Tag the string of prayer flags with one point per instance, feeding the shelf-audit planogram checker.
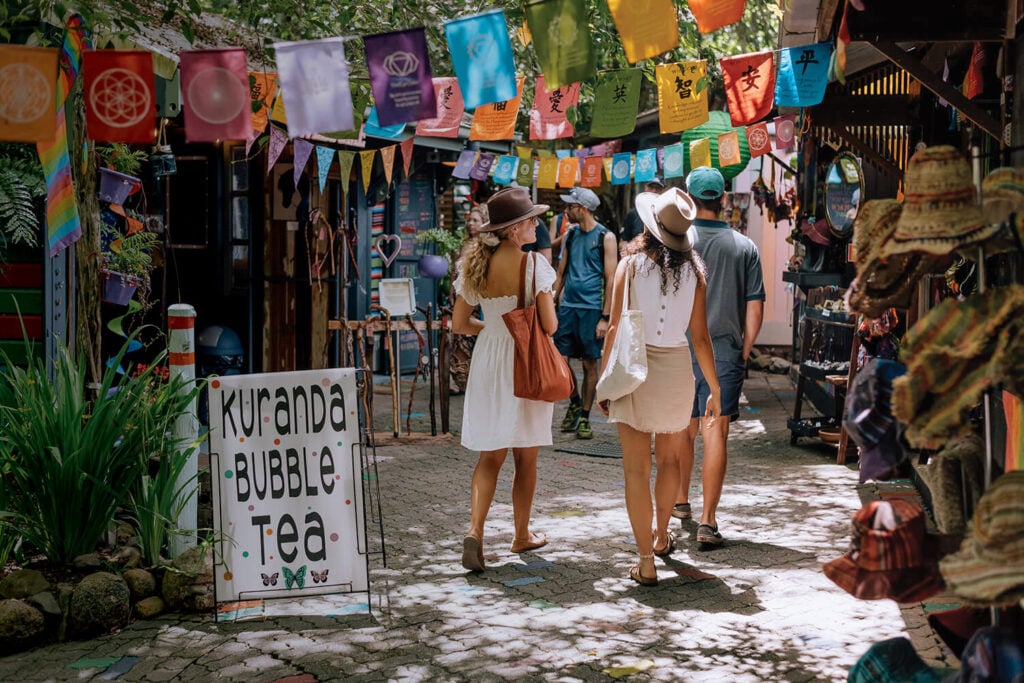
(400, 76)
(548, 116)
(646, 165)
(758, 140)
(505, 169)
(497, 120)
(568, 170)
(616, 100)
(712, 15)
(729, 149)
(482, 58)
(449, 110)
(547, 173)
(803, 75)
(301, 151)
(120, 99)
(622, 166)
(407, 149)
(749, 86)
(647, 28)
(387, 157)
(324, 157)
(215, 94)
(315, 86)
(562, 40)
(29, 87)
(785, 134)
(373, 127)
(525, 171)
(275, 146)
(700, 153)
(482, 166)
(682, 95)
(591, 176)
(366, 165)
(345, 161)
(464, 164)
(672, 161)
(262, 88)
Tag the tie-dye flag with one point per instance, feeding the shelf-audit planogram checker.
(482, 58)
(561, 40)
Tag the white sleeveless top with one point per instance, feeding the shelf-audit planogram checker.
(666, 316)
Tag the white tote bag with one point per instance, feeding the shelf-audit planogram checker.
(627, 365)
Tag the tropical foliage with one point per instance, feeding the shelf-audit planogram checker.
(21, 188)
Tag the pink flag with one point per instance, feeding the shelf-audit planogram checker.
(387, 155)
(407, 146)
(784, 132)
(449, 110)
(547, 117)
(215, 95)
(278, 140)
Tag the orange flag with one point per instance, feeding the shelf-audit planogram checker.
(497, 121)
(729, 149)
(548, 173)
(592, 172)
(647, 27)
(974, 83)
(387, 155)
(262, 88)
(682, 95)
(712, 15)
(758, 140)
(28, 104)
(366, 161)
(568, 169)
(407, 146)
(749, 86)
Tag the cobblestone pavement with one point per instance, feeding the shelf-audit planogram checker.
(758, 609)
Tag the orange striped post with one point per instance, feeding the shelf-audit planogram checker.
(181, 352)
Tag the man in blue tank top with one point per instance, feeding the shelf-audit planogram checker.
(583, 292)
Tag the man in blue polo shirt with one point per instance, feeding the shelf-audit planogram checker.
(735, 305)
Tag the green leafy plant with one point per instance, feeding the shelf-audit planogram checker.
(21, 187)
(446, 242)
(122, 158)
(130, 254)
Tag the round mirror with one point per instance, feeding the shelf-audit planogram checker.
(844, 184)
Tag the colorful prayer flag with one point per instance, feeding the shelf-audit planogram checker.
(407, 150)
(28, 84)
(784, 132)
(301, 151)
(366, 166)
(712, 15)
(803, 75)
(622, 166)
(449, 110)
(749, 86)
(607, 163)
(974, 82)
(465, 164)
(729, 149)
(275, 146)
(562, 40)
(277, 112)
(400, 76)
(324, 157)
(568, 170)
(120, 99)
(262, 88)
(647, 27)
(525, 171)
(682, 95)
(843, 39)
(646, 165)
(387, 157)
(758, 139)
(505, 170)
(592, 167)
(547, 117)
(700, 153)
(547, 174)
(482, 166)
(497, 121)
(616, 100)
(345, 161)
(215, 95)
(672, 163)
(315, 86)
(373, 127)
(482, 58)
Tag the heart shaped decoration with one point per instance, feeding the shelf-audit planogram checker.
(396, 245)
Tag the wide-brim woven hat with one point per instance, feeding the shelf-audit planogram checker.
(889, 555)
(940, 209)
(509, 206)
(668, 216)
(989, 566)
(874, 225)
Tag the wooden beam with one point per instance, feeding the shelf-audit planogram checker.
(865, 110)
(869, 151)
(933, 82)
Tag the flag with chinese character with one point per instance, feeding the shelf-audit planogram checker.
(262, 88)
(315, 86)
(28, 93)
(525, 171)
(465, 164)
(758, 139)
(215, 95)
(400, 76)
(700, 153)
(803, 75)
(592, 167)
(547, 117)
(120, 100)
(497, 121)
(562, 40)
(568, 169)
(449, 111)
(622, 167)
(646, 165)
(366, 166)
(482, 166)
(785, 133)
(974, 82)
(712, 15)
(729, 149)
(682, 95)
(616, 100)
(672, 162)
(505, 169)
(647, 27)
(482, 58)
(749, 86)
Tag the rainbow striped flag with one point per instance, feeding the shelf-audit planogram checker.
(63, 226)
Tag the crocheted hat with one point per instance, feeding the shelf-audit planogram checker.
(940, 212)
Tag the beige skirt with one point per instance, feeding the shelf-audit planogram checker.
(663, 403)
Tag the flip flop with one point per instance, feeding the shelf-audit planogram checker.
(522, 545)
(472, 554)
(669, 547)
(634, 573)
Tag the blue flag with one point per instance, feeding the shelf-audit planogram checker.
(505, 170)
(482, 58)
(646, 165)
(621, 168)
(803, 75)
(373, 127)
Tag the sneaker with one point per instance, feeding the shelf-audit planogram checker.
(708, 536)
(583, 430)
(572, 417)
(681, 511)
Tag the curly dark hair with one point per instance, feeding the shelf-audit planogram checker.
(668, 260)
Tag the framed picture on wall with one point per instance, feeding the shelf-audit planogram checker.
(286, 198)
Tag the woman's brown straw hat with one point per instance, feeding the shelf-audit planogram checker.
(509, 206)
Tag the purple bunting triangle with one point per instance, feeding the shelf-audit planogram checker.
(278, 140)
(302, 149)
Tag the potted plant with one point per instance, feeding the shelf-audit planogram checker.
(446, 244)
(120, 175)
(127, 264)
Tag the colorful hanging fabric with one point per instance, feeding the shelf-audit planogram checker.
(449, 110)
(215, 95)
(646, 165)
(547, 173)
(366, 166)
(616, 100)
(607, 163)
(562, 40)
(591, 176)
(525, 171)
(622, 167)
(345, 161)
(505, 169)
(301, 151)
(275, 146)
(387, 157)
(700, 153)
(407, 150)
(758, 140)
(324, 158)
(482, 166)
(262, 89)
(672, 162)
(372, 126)
(682, 95)
(277, 112)
(29, 87)
(729, 149)
(749, 86)
(712, 15)
(568, 171)
(63, 226)
(803, 75)
(647, 28)
(400, 76)
(315, 86)
(785, 133)
(464, 164)
(482, 58)
(548, 116)
(974, 80)
(497, 121)
(843, 39)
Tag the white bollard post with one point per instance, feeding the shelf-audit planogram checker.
(181, 327)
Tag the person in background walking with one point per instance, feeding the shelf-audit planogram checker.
(557, 230)
(493, 419)
(633, 226)
(735, 313)
(583, 291)
(667, 283)
(462, 344)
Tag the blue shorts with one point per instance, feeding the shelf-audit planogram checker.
(577, 333)
(730, 381)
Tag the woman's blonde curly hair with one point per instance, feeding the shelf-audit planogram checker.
(476, 259)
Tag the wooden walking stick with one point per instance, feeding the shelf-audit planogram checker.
(429, 313)
(443, 370)
(390, 346)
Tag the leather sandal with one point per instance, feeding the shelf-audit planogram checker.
(634, 573)
(473, 554)
(669, 547)
(534, 541)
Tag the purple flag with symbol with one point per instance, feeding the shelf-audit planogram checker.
(482, 168)
(400, 76)
(467, 159)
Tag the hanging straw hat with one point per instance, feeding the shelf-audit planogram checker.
(1002, 203)
(509, 206)
(668, 216)
(941, 212)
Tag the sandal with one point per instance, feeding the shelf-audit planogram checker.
(472, 554)
(709, 535)
(669, 547)
(522, 545)
(682, 511)
(634, 573)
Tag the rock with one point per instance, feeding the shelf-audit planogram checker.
(46, 602)
(124, 534)
(101, 603)
(23, 583)
(21, 626)
(188, 583)
(128, 557)
(141, 583)
(759, 362)
(147, 608)
(196, 562)
(779, 366)
(87, 561)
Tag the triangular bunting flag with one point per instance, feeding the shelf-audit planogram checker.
(682, 95)
(387, 156)
(324, 157)
(277, 112)
(647, 28)
(345, 161)
(749, 86)
(301, 149)
(366, 165)
(407, 150)
(275, 146)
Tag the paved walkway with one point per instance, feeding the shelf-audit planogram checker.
(758, 609)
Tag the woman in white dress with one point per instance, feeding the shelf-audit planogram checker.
(493, 419)
(668, 283)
